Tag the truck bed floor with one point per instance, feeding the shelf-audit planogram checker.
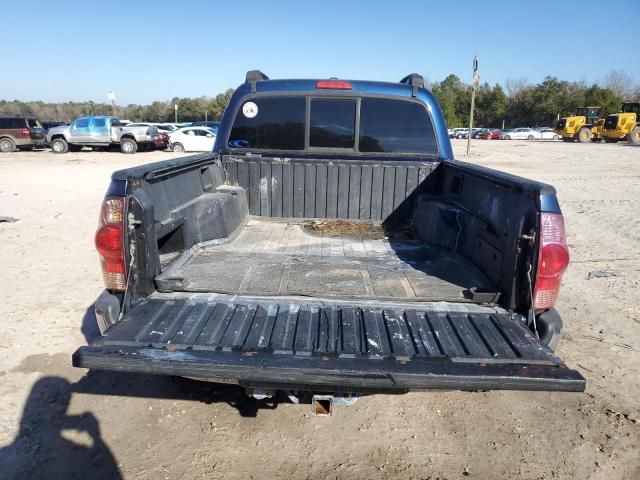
(280, 257)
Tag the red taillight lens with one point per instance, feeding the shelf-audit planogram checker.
(25, 132)
(333, 85)
(553, 260)
(109, 243)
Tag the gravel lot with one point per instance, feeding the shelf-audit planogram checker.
(61, 422)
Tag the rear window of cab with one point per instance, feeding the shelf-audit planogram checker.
(361, 125)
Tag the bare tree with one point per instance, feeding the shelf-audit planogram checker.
(620, 83)
(515, 86)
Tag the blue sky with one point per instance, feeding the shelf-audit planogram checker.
(155, 50)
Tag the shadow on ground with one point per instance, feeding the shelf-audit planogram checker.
(170, 388)
(53, 444)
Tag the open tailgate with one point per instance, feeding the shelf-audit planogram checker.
(324, 346)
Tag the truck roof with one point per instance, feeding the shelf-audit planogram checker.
(412, 85)
(309, 85)
(256, 81)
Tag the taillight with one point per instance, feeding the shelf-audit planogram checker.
(333, 85)
(25, 132)
(553, 260)
(109, 243)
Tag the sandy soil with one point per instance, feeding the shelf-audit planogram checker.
(61, 422)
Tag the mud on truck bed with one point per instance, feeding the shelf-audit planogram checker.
(327, 270)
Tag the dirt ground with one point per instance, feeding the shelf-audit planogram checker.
(61, 422)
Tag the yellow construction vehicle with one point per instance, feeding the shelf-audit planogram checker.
(625, 124)
(585, 126)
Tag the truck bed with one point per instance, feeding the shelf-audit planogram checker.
(325, 275)
(325, 258)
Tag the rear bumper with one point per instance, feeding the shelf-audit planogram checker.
(330, 374)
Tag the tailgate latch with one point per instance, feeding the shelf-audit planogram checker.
(132, 222)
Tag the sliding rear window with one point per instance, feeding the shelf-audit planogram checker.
(283, 123)
(332, 123)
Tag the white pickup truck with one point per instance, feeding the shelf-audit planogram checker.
(101, 131)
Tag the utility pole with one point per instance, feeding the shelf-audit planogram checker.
(205, 115)
(474, 88)
(175, 112)
(112, 96)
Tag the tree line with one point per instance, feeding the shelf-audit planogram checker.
(522, 104)
(518, 103)
(189, 109)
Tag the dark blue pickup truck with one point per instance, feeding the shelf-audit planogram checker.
(331, 245)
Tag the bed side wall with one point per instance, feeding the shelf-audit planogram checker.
(483, 215)
(177, 210)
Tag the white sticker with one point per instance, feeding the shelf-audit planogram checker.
(250, 109)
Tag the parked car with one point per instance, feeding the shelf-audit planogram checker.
(504, 133)
(216, 265)
(465, 133)
(548, 134)
(520, 134)
(192, 139)
(482, 133)
(490, 134)
(101, 131)
(20, 132)
(476, 132)
(162, 141)
(160, 126)
(460, 133)
(166, 127)
(212, 125)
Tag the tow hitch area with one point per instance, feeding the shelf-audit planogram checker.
(321, 404)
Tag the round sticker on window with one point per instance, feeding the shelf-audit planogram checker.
(250, 109)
